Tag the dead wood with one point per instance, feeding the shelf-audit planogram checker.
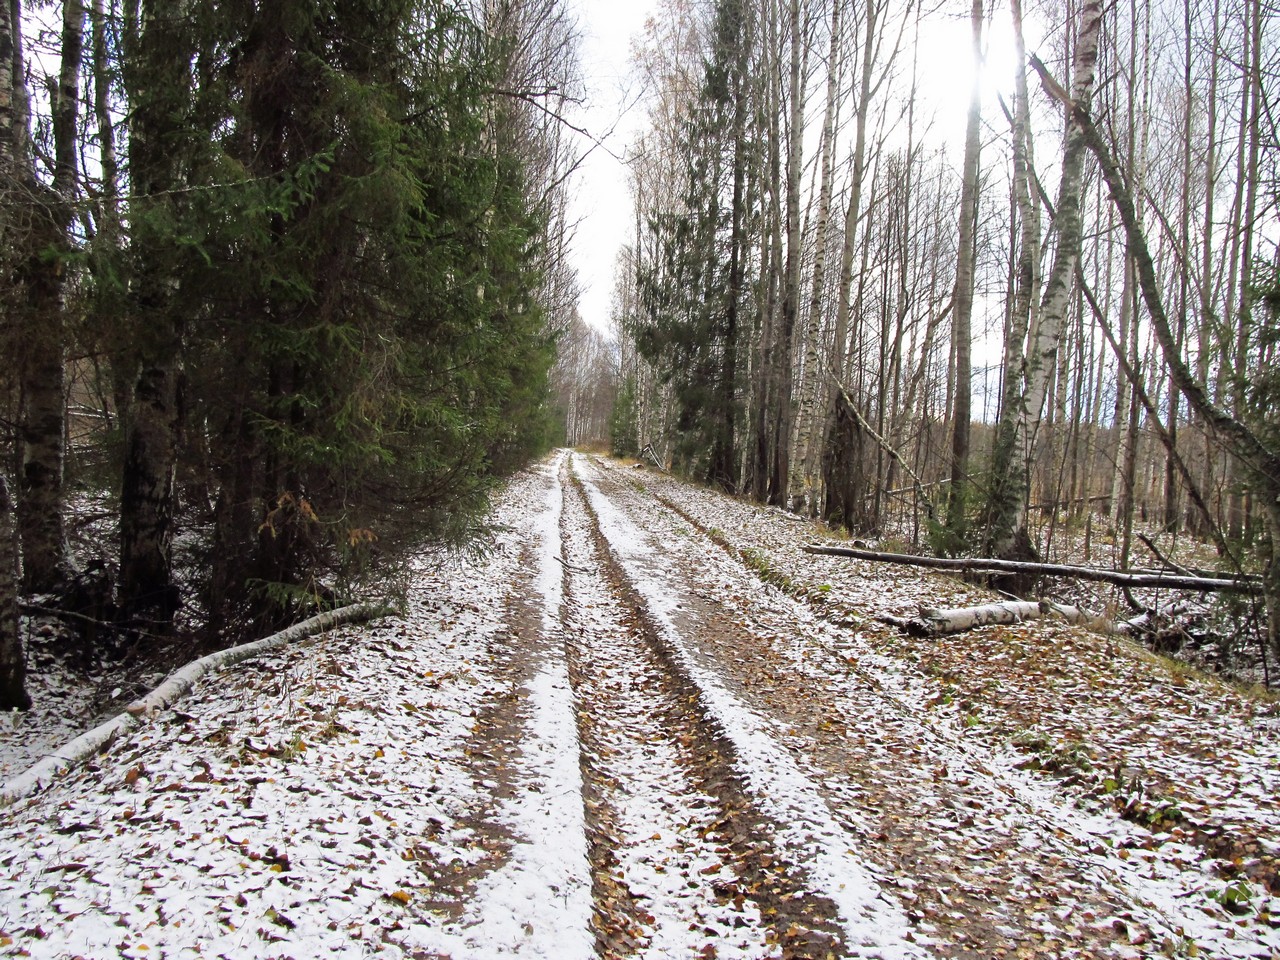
(936, 623)
(1130, 578)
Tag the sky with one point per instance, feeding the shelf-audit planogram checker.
(602, 201)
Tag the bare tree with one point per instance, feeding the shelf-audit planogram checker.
(1007, 525)
(781, 354)
(802, 472)
(962, 337)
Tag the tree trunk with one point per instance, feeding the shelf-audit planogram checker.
(839, 459)
(1056, 298)
(1126, 416)
(157, 65)
(782, 414)
(1251, 104)
(1207, 318)
(12, 662)
(13, 670)
(762, 456)
(724, 468)
(962, 419)
(1162, 579)
(802, 473)
(1009, 468)
(41, 319)
(941, 622)
(1262, 461)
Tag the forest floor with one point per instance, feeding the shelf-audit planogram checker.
(647, 724)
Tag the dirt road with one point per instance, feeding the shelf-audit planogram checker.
(644, 726)
(843, 825)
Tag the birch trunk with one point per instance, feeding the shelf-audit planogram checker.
(961, 417)
(801, 473)
(1008, 499)
(1253, 450)
(1056, 299)
(839, 457)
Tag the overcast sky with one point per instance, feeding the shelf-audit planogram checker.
(602, 199)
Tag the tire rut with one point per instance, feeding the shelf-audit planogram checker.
(493, 748)
(676, 839)
(980, 882)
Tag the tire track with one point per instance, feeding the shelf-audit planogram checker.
(982, 880)
(524, 888)
(813, 846)
(1161, 896)
(677, 844)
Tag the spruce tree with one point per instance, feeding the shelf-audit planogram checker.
(694, 292)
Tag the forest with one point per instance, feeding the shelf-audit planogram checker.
(280, 285)
(287, 288)
(1044, 337)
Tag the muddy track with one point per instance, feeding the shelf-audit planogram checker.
(494, 750)
(1229, 838)
(980, 881)
(673, 830)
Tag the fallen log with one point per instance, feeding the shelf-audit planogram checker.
(90, 743)
(1145, 578)
(937, 623)
(652, 454)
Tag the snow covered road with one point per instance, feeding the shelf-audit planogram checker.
(612, 736)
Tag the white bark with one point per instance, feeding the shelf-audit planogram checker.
(1043, 355)
(92, 742)
(936, 623)
(803, 462)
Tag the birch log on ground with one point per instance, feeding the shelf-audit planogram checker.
(1137, 578)
(77, 751)
(936, 623)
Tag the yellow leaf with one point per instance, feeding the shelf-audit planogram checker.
(400, 896)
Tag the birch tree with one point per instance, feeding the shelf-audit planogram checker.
(1007, 527)
(1007, 493)
(961, 323)
(802, 472)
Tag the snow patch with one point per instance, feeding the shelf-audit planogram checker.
(874, 923)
